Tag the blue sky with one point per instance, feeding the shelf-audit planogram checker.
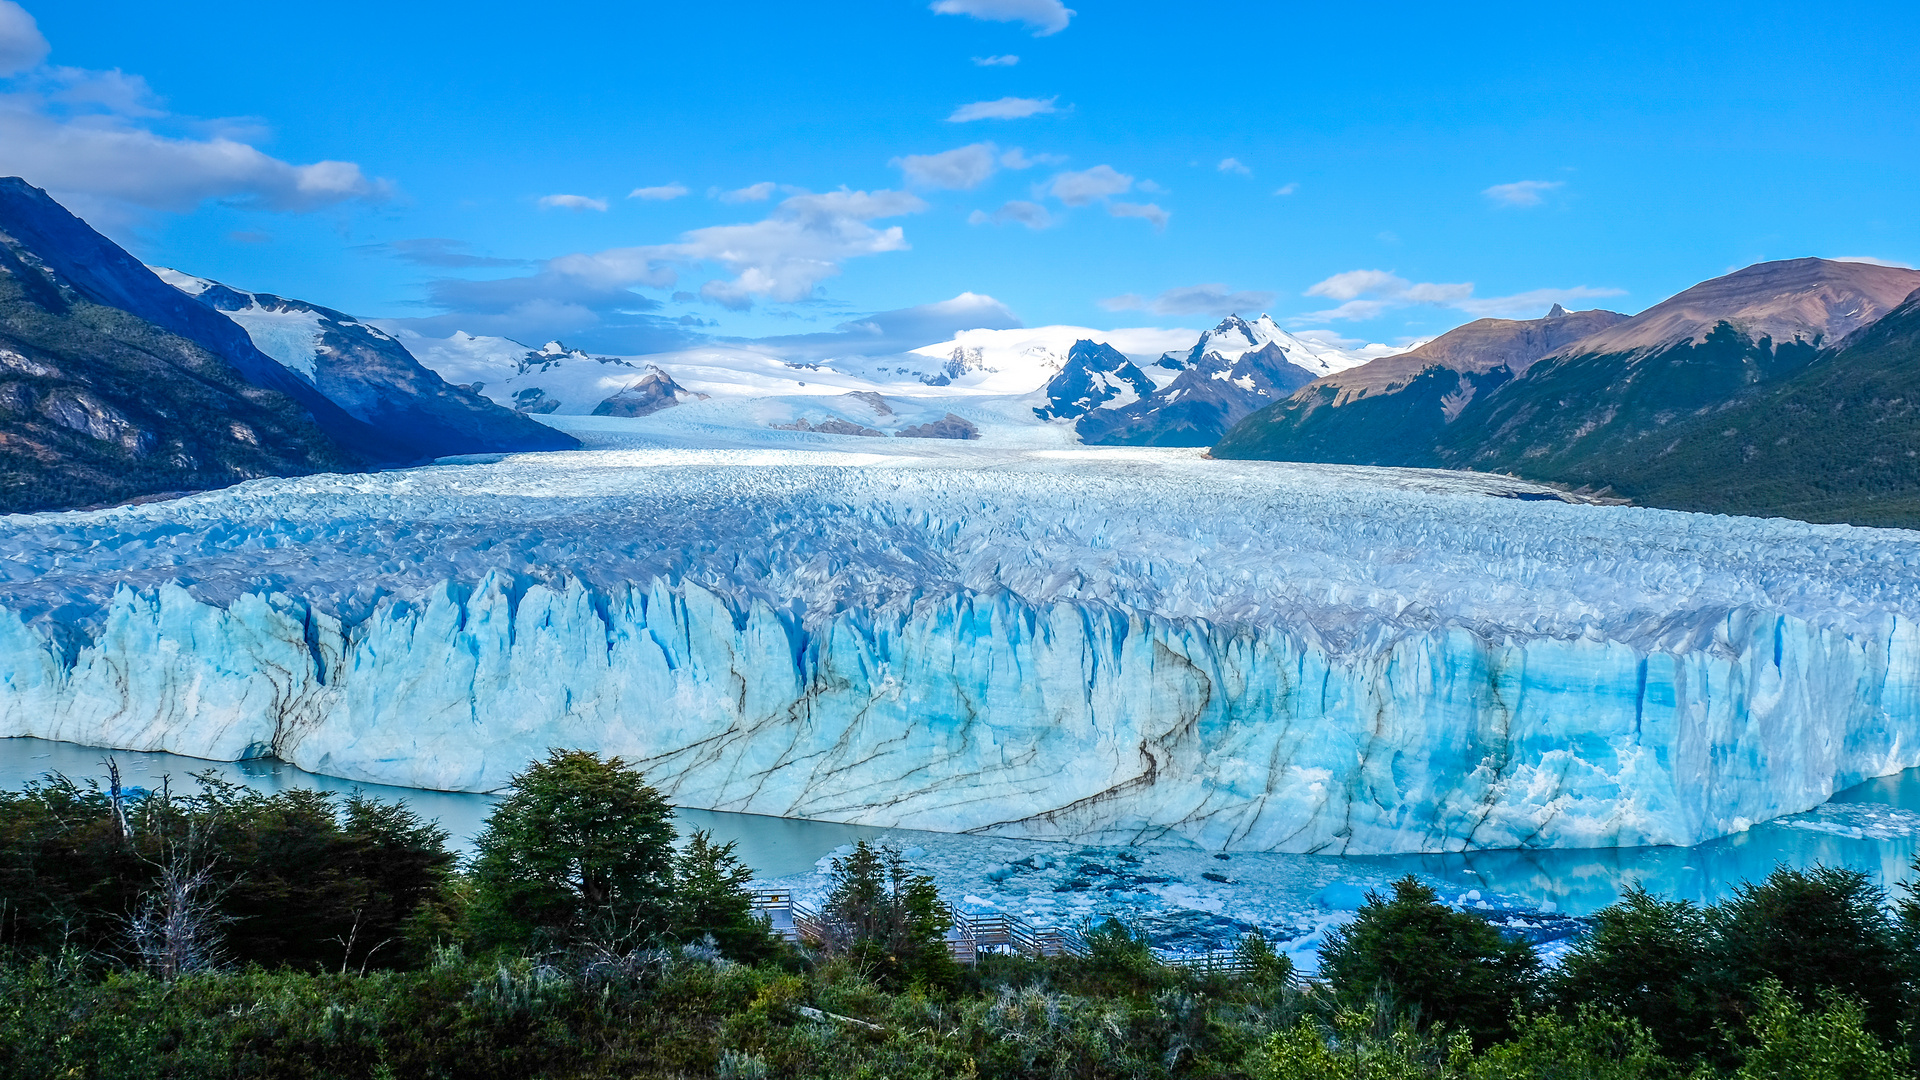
(1374, 172)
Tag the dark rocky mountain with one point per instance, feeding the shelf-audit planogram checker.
(88, 266)
(99, 405)
(1578, 415)
(648, 394)
(372, 377)
(1393, 411)
(1771, 358)
(1838, 440)
(1234, 369)
(1094, 375)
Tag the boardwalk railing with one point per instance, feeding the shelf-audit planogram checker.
(972, 936)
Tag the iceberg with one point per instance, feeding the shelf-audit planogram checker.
(1105, 646)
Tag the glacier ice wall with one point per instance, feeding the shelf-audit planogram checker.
(1112, 647)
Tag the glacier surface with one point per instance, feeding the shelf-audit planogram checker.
(1112, 646)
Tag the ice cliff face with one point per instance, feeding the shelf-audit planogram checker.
(1097, 645)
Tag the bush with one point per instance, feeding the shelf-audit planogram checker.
(1446, 966)
(1832, 1043)
(297, 878)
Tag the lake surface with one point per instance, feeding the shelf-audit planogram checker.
(1185, 896)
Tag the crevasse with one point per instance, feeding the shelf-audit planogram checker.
(1070, 721)
(922, 646)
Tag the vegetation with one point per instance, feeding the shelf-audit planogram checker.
(232, 934)
(1823, 432)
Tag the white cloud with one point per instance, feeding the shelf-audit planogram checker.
(759, 192)
(1522, 192)
(1083, 187)
(1209, 299)
(1286, 189)
(1145, 211)
(1152, 188)
(572, 202)
(1045, 16)
(996, 61)
(1017, 158)
(1368, 294)
(1006, 108)
(86, 137)
(1030, 214)
(658, 194)
(961, 169)
(22, 47)
(1233, 165)
(1353, 283)
(783, 257)
(1532, 304)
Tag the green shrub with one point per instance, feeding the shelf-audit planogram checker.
(1444, 966)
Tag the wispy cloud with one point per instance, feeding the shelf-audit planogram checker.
(782, 258)
(572, 202)
(438, 251)
(960, 169)
(658, 194)
(1030, 214)
(759, 192)
(1085, 186)
(1286, 189)
(1209, 299)
(1045, 16)
(1006, 108)
(996, 61)
(1145, 211)
(1522, 192)
(1017, 158)
(1233, 165)
(1367, 294)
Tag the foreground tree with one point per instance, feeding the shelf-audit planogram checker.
(1818, 933)
(580, 849)
(710, 897)
(1444, 965)
(1646, 959)
(887, 918)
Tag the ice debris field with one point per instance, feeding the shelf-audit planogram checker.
(1189, 900)
(1107, 647)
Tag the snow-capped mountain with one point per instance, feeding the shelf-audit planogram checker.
(549, 379)
(1235, 369)
(1023, 360)
(1001, 380)
(1095, 376)
(1235, 337)
(366, 372)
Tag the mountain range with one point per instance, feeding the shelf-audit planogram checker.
(1785, 388)
(115, 384)
(1709, 400)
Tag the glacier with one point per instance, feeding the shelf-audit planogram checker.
(1107, 646)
